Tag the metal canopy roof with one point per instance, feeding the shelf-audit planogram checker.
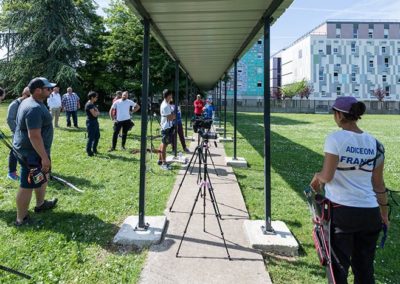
(205, 36)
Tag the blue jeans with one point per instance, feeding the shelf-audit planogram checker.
(93, 135)
(74, 118)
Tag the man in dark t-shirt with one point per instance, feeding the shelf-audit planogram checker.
(32, 142)
(92, 124)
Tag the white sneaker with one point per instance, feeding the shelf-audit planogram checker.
(165, 167)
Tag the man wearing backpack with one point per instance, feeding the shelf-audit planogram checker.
(12, 123)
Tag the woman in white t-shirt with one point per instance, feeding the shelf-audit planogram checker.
(353, 177)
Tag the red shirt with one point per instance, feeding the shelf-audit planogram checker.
(198, 107)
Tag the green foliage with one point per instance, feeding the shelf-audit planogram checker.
(48, 38)
(301, 88)
(123, 53)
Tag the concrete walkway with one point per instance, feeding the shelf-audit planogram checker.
(203, 257)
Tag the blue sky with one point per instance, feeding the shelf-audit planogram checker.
(303, 15)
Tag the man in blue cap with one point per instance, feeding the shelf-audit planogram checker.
(32, 141)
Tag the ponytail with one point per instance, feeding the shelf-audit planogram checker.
(356, 111)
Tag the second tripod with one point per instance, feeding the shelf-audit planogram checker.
(200, 154)
(205, 185)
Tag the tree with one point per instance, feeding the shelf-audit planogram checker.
(123, 54)
(50, 35)
(380, 94)
(277, 94)
(306, 90)
(302, 88)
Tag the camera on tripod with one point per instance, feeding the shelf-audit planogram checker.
(202, 126)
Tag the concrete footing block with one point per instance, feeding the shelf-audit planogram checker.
(227, 139)
(237, 163)
(282, 242)
(181, 160)
(129, 235)
(189, 138)
(219, 129)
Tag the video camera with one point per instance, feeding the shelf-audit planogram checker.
(202, 126)
(201, 123)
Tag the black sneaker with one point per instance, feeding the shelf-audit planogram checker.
(26, 221)
(47, 205)
(159, 162)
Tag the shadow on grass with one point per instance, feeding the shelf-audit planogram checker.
(295, 163)
(279, 120)
(82, 228)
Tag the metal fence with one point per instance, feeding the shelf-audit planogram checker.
(317, 106)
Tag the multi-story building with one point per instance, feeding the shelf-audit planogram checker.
(250, 85)
(352, 58)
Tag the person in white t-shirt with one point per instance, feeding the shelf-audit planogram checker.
(120, 113)
(167, 118)
(352, 173)
(54, 103)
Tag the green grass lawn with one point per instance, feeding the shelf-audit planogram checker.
(72, 244)
(296, 153)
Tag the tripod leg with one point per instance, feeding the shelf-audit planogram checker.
(195, 160)
(219, 223)
(212, 161)
(213, 195)
(10, 270)
(183, 179)
(187, 224)
(204, 205)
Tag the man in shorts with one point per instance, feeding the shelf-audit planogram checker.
(32, 143)
(167, 117)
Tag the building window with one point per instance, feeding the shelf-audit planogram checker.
(386, 31)
(387, 90)
(335, 50)
(383, 49)
(371, 63)
(240, 70)
(370, 33)
(338, 26)
(353, 47)
(384, 78)
(335, 76)
(338, 90)
(337, 65)
(259, 41)
(320, 51)
(259, 84)
(355, 31)
(321, 74)
(300, 53)
(353, 77)
(398, 50)
(259, 55)
(387, 62)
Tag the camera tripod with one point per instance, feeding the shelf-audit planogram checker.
(204, 186)
(195, 160)
(201, 156)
